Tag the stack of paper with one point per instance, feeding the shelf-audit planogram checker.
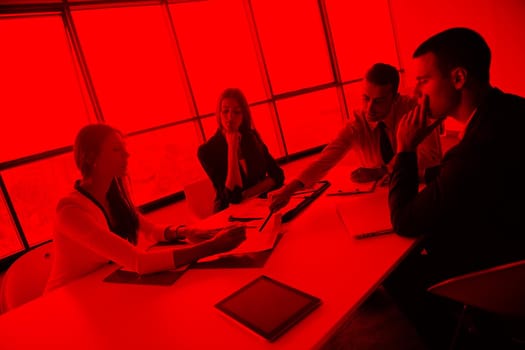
(370, 217)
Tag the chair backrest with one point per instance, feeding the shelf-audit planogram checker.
(26, 278)
(200, 196)
(500, 290)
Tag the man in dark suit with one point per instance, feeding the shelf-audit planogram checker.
(468, 216)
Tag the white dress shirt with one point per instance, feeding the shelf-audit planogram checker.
(84, 242)
(362, 137)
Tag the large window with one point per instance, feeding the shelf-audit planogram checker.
(9, 240)
(219, 51)
(293, 42)
(133, 61)
(310, 120)
(155, 70)
(163, 161)
(354, 96)
(43, 100)
(363, 35)
(35, 189)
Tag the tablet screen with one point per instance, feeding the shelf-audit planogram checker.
(268, 307)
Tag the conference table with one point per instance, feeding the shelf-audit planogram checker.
(316, 255)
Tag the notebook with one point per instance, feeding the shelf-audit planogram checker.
(306, 196)
(256, 241)
(370, 218)
(268, 307)
(163, 278)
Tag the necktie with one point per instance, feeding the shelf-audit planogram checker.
(387, 152)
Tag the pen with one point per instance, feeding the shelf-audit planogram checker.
(346, 193)
(242, 219)
(298, 193)
(356, 191)
(385, 180)
(266, 220)
(374, 233)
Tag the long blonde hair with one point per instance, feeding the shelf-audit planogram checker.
(86, 149)
(237, 95)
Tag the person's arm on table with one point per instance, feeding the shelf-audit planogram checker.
(329, 157)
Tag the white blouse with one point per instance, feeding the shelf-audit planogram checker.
(84, 242)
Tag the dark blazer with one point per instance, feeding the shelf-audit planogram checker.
(213, 156)
(471, 214)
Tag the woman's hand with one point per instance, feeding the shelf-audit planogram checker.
(280, 198)
(197, 235)
(229, 237)
(233, 139)
(233, 177)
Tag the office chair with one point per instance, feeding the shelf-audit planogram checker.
(26, 278)
(200, 197)
(498, 291)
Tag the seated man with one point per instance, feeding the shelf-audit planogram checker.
(370, 133)
(466, 217)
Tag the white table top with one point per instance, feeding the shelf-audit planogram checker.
(315, 255)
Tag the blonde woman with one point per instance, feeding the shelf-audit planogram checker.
(97, 222)
(236, 159)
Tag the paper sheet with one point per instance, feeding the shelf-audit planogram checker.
(255, 241)
(370, 215)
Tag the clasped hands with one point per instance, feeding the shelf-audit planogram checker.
(233, 139)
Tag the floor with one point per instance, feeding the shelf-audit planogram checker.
(377, 325)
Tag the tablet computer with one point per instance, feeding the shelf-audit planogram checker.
(268, 307)
(308, 195)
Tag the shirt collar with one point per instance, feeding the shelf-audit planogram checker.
(462, 130)
(388, 120)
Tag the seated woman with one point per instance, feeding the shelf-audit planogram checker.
(236, 159)
(97, 222)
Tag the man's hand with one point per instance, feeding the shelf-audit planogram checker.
(367, 174)
(413, 128)
(279, 198)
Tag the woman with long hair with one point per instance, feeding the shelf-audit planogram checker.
(97, 222)
(236, 159)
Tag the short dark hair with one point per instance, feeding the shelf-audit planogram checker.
(383, 74)
(459, 47)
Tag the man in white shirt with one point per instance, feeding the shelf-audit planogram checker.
(382, 107)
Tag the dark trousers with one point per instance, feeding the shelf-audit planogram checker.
(434, 318)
